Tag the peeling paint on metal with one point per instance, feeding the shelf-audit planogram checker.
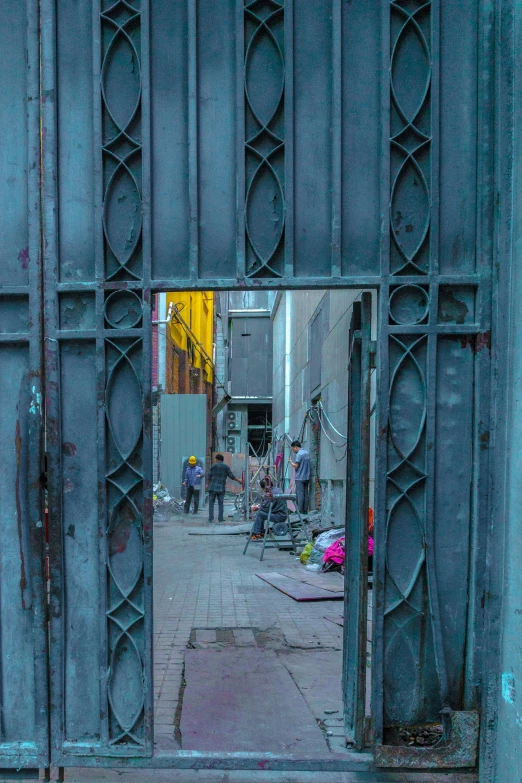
(23, 257)
(508, 687)
(23, 578)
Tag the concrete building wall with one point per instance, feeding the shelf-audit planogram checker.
(292, 317)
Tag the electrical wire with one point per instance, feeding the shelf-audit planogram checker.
(340, 445)
(323, 412)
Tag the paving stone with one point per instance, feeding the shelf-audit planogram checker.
(244, 636)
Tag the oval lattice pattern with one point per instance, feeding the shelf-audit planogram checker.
(410, 137)
(264, 143)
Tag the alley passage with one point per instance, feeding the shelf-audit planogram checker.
(207, 597)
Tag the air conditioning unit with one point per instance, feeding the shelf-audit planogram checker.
(234, 421)
(234, 444)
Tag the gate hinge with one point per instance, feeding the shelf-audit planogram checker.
(373, 353)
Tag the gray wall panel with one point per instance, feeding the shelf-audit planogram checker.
(251, 357)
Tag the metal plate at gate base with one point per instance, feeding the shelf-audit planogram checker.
(459, 751)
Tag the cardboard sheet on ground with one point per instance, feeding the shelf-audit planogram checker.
(299, 591)
(244, 699)
(219, 530)
(332, 581)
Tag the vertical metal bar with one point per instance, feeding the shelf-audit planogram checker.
(52, 372)
(240, 139)
(431, 362)
(487, 302)
(358, 494)
(99, 267)
(351, 626)
(336, 137)
(289, 139)
(247, 483)
(35, 434)
(438, 642)
(147, 448)
(382, 405)
(193, 139)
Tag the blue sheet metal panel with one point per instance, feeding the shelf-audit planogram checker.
(458, 136)
(267, 162)
(75, 151)
(169, 138)
(454, 551)
(82, 630)
(215, 110)
(313, 147)
(14, 154)
(360, 210)
(23, 621)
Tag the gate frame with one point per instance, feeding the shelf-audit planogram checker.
(380, 283)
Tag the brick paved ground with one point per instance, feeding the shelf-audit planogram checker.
(205, 583)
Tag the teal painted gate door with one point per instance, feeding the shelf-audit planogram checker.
(245, 143)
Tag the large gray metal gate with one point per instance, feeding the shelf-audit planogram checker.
(218, 145)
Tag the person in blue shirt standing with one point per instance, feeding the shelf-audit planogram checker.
(192, 481)
(302, 475)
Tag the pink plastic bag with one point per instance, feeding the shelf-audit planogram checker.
(370, 546)
(335, 553)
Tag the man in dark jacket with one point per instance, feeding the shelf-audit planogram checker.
(279, 511)
(219, 473)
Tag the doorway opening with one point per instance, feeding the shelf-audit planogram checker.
(249, 622)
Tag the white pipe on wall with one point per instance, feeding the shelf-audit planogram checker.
(162, 340)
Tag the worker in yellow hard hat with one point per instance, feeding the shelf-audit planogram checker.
(192, 481)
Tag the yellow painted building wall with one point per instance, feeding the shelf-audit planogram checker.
(197, 310)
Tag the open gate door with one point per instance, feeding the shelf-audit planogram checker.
(357, 506)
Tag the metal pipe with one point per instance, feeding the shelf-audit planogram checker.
(247, 484)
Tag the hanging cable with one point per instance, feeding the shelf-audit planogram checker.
(339, 445)
(323, 412)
